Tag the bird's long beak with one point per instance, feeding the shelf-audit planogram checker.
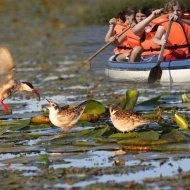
(48, 100)
(37, 94)
(48, 105)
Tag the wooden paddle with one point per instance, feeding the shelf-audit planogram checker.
(87, 61)
(156, 72)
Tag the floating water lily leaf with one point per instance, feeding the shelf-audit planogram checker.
(21, 124)
(150, 135)
(89, 117)
(176, 136)
(2, 123)
(145, 142)
(131, 100)
(126, 135)
(97, 132)
(145, 136)
(150, 101)
(181, 121)
(104, 140)
(94, 107)
(185, 98)
(83, 143)
(150, 116)
(40, 119)
(3, 129)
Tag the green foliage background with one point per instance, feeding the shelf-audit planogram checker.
(73, 12)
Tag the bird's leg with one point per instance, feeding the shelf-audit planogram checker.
(6, 109)
(67, 129)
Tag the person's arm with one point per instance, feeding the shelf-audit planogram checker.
(110, 31)
(139, 28)
(184, 21)
(157, 39)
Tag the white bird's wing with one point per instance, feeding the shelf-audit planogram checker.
(6, 66)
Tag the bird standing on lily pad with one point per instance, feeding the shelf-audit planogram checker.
(8, 85)
(65, 119)
(125, 121)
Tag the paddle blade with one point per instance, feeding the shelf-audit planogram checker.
(155, 74)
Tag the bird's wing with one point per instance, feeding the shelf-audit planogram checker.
(6, 65)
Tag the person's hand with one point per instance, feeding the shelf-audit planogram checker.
(163, 42)
(113, 21)
(113, 39)
(173, 17)
(157, 12)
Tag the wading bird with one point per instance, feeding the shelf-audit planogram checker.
(64, 118)
(125, 121)
(8, 85)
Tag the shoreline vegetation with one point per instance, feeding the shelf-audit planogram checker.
(72, 12)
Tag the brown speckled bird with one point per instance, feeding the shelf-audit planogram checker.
(64, 118)
(125, 121)
(8, 85)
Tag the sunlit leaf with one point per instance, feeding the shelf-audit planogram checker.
(40, 119)
(94, 107)
(2, 123)
(181, 121)
(131, 99)
(89, 117)
(185, 98)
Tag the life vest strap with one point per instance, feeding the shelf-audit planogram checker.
(168, 47)
(124, 47)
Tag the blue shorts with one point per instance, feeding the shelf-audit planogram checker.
(149, 58)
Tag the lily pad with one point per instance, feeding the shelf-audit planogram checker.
(94, 107)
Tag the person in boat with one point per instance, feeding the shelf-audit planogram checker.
(117, 25)
(145, 31)
(141, 14)
(177, 44)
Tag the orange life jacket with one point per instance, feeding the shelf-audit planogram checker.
(132, 39)
(123, 47)
(178, 36)
(150, 48)
(174, 41)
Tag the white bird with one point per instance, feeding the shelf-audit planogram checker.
(64, 118)
(125, 121)
(8, 85)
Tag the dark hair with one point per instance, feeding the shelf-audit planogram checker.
(126, 11)
(144, 10)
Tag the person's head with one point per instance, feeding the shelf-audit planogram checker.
(174, 6)
(142, 13)
(127, 14)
